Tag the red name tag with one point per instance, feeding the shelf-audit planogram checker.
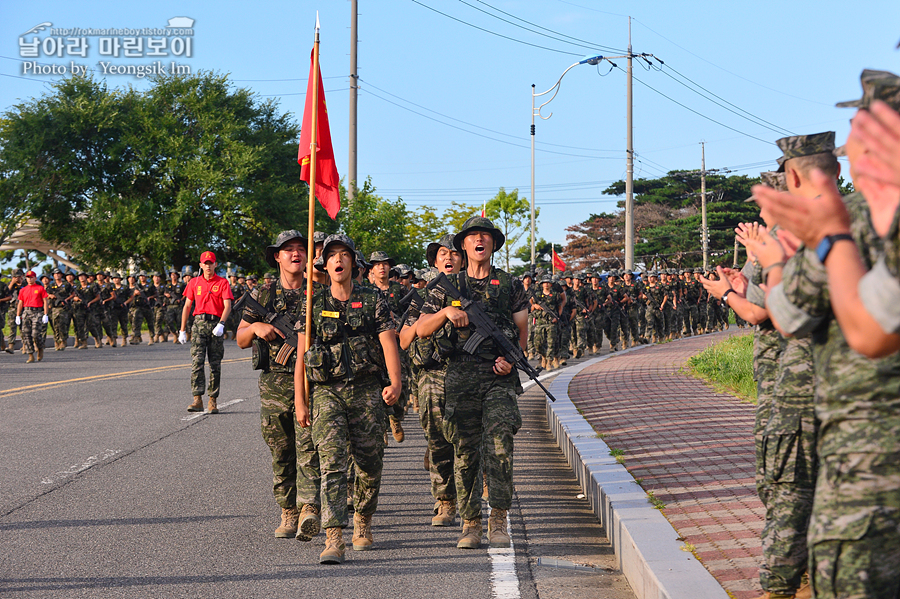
(495, 281)
(356, 305)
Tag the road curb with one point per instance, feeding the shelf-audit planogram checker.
(647, 547)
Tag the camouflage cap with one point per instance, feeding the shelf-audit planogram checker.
(479, 223)
(252, 278)
(337, 239)
(546, 279)
(380, 256)
(18, 273)
(528, 274)
(404, 270)
(142, 273)
(319, 237)
(283, 238)
(155, 273)
(115, 275)
(796, 146)
(56, 271)
(774, 179)
(269, 275)
(429, 274)
(877, 85)
(434, 247)
(361, 261)
(580, 275)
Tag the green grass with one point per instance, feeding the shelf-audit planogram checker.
(727, 367)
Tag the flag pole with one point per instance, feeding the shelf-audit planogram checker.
(311, 248)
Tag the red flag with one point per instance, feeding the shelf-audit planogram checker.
(558, 264)
(327, 179)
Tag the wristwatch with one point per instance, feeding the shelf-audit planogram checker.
(725, 295)
(824, 247)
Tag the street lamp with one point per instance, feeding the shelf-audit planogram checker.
(593, 60)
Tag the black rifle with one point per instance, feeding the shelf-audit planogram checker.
(281, 322)
(409, 301)
(552, 313)
(484, 328)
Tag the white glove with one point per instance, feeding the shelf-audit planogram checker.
(182, 337)
(219, 330)
(18, 319)
(45, 319)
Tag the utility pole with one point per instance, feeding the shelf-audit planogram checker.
(629, 169)
(354, 86)
(704, 232)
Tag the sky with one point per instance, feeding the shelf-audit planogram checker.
(445, 85)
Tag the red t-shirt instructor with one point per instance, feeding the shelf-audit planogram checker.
(31, 314)
(211, 296)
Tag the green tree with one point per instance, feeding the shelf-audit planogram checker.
(458, 214)
(424, 227)
(375, 223)
(512, 215)
(192, 164)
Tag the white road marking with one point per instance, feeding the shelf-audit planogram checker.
(76, 468)
(504, 581)
(206, 412)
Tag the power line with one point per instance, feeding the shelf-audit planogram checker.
(494, 32)
(591, 46)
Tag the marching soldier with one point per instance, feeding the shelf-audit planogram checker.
(482, 416)
(210, 297)
(6, 297)
(32, 310)
(581, 306)
(15, 285)
(546, 306)
(295, 461)
(172, 300)
(60, 293)
(655, 298)
(143, 300)
(353, 331)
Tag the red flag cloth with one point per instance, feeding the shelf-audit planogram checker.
(327, 179)
(558, 264)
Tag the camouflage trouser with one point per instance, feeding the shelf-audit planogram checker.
(581, 332)
(118, 318)
(33, 329)
(13, 327)
(598, 329)
(95, 317)
(295, 461)
(634, 328)
(440, 450)
(790, 462)
(205, 345)
(763, 410)
(173, 318)
(79, 317)
(713, 315)
(546, 338)
(142, 313)
(605, 325)
(854, 532)
(656, 323)
(348, 420)
(60, 319)
(691, 316)
(615, 329)
(480, 419)
(642, 319)
(3, 325)
(679, 319)
(565, 337)
(668, 319)
(532, 326)
(159, 321)
(702, 316)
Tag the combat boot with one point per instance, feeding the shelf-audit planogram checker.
(197, 406)
(135, 341)
(362, 532)
(82, 344)
(804, 592)
(174, 338)
(397, 429)
(554, 365)
(40, 352)
(334, 546)
(212, 408)
(150, 340)
(444, 512)
(30, 359)
(288, 528)
(471, 535)
(497, 535)
(97, 344)
(310, 522)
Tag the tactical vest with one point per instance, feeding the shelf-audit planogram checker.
(344, 347)
(495, 301)
(551, 301)
(264, 352)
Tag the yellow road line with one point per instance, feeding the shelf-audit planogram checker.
(112, 375)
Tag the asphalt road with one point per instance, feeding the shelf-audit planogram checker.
(110, 488)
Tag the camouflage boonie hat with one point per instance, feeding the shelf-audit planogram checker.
(435, 246)
(380, 256)
(319, 237)
(877, 85)
(404, 270)
(774, 179)
(429, 274)
(282, 239)
(480, 223)
(269, 275)
(115, 275)
(804, 145)
(361, 261)
(56, 271)
(546, 279)
(580, 276)
(337, 239)
(142, 273)
(155, 274)
(18, 273)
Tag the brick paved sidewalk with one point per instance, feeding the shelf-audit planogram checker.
(692, 447)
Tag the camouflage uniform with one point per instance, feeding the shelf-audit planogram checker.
(601, 322)
(143, 310)
(295, 461)
(547, 336)
(60, 315)
(93, 313)
(80, 313)
(616, 314)
(4, 306)
(346, 406)
(853, 531)
(33, 329)
(633, 311)
(480, 411)
(691, 302)
(14, 289)
(581, 321)
(655, 319)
